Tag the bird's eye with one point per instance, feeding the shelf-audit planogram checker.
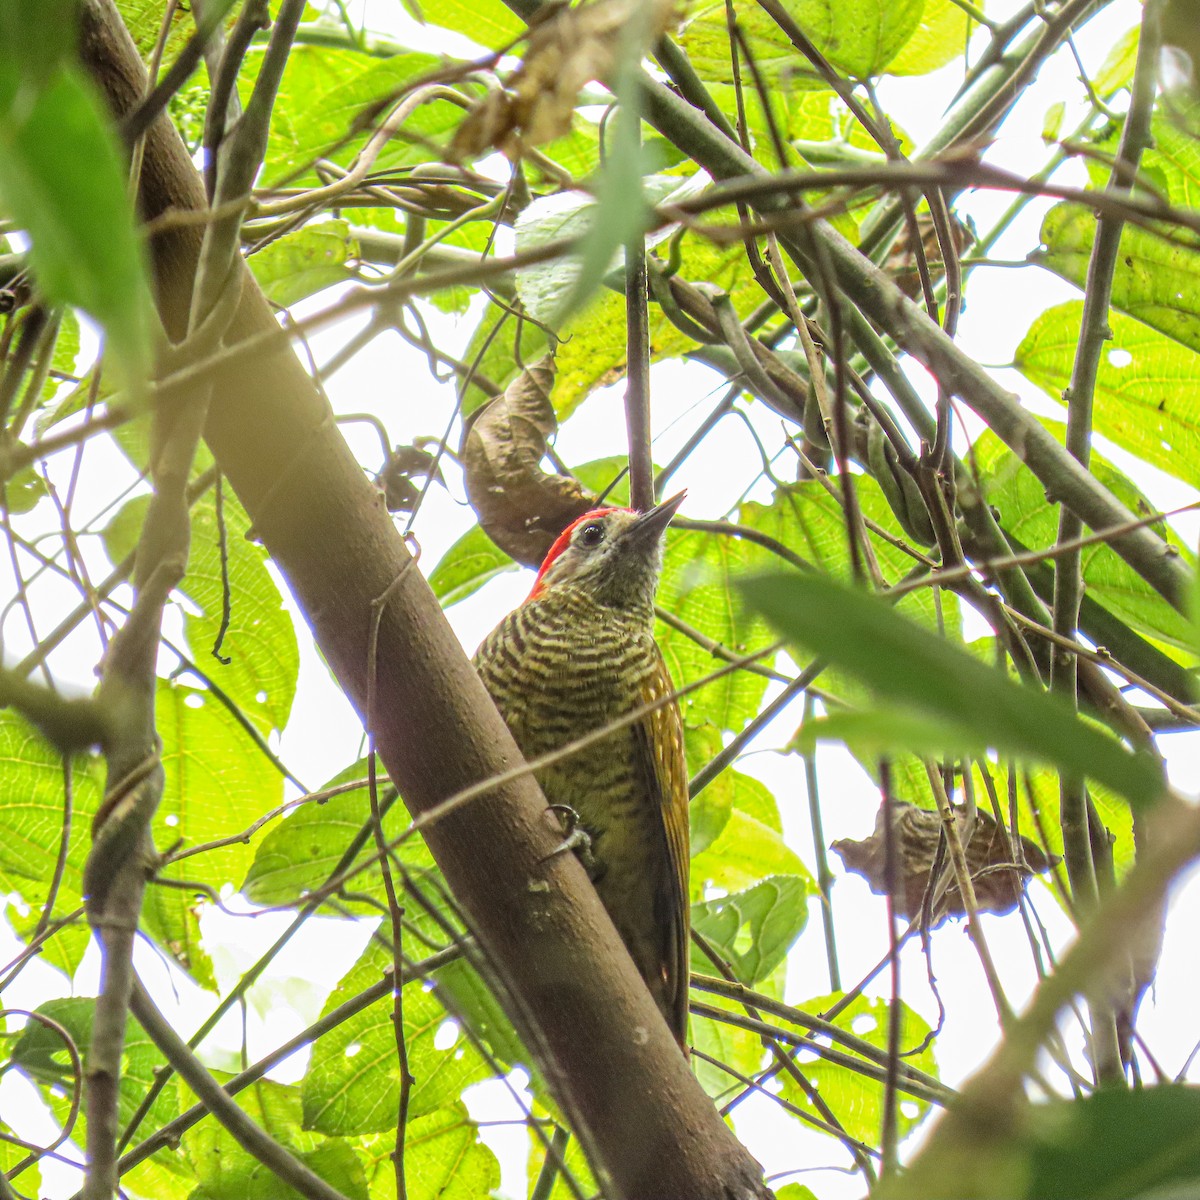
(591, 535)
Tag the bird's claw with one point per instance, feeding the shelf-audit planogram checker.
(576, 840)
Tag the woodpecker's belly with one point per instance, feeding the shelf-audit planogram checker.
(617, 806)
(551, 694)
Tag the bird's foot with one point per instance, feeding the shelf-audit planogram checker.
(576, 840)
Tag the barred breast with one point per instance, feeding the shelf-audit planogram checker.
(559, 667)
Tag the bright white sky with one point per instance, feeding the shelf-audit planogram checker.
(392, 380)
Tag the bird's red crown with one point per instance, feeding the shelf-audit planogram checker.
(562, 542)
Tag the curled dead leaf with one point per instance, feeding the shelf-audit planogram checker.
(902, 261)
(997, 880)
(567, 50)
(404, 466)
(521, 507)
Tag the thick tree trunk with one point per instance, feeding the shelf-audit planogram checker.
(648, 1128)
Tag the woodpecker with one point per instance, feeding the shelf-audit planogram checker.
(578, 653)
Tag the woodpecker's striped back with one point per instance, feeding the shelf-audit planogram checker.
(563, 665)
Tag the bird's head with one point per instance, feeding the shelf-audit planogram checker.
(612, 554)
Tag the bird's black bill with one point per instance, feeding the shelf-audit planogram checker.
(650, 525)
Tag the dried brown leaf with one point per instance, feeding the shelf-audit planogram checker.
(902, 261)
(997, 880)
(566, 51)
(406, 464)
(521, 507)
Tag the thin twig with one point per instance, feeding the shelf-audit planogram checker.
(280, 1161)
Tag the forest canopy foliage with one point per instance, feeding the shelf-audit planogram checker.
(991, 613)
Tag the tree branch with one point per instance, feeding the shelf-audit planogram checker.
(877, 297)
(570, 987)
(282, 1162)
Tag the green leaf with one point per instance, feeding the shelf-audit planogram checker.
(883, 732)
(302, 262)
(855, 1100)
(709, 811)
(66, 353)
(1174, 155)
(298, 854)
(712, 808)
(753, 929)
(622, 205)
(217, 783)
(907, 665)
(260, 643)
(608, 477)
(593, 352)
(143, 19)
(543, 287)
(583, 1182)
(819, 116)
(31, 822)
(552, 290)
(23, 490)
(63, 181)
(941, 36)
(1170, 164)
(745, 852)
(1116, 1143)
(261, 639)
(473, 1001)
(38, 36)
(1052, 121)
(29, 1179)
(577, 152)
(488, 23)
(812, 524)
(446, 1160)
(1147, 397)
(471, 562)
(323, 93)
(697, 585)
(860, 38)
(1020, 498)
(737, 1048)
(1156, 280)
(352, 1085)
(491, 352)
(40, 1052)
(227, 1172)
(443, 1159)
(1117, 71)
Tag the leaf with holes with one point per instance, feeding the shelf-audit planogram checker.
(855, 1099)
(754, 929)
(1147, 396)
(352, 1085)
(1156, 280)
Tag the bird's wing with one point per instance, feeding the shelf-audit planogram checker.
(660, 743)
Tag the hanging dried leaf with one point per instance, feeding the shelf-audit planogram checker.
(566, 51)
(521, 507)
(997, 880)
(902, 261)
(405, 465)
